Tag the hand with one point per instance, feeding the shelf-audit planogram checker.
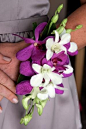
(6, 82)
(10, 69)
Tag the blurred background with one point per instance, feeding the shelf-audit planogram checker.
(78, 62)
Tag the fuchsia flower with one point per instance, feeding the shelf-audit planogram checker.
(37, 49)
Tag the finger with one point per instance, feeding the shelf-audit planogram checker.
(1, 97)
(4, 59)
(6, 81)
(8, 94)
(0, 109)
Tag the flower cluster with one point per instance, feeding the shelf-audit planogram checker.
(45, 62)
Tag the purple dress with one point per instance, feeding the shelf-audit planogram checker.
(59, 113)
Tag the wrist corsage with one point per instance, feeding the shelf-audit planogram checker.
(44, 63)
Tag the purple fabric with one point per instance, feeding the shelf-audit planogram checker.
(23, 88)
(26, 68)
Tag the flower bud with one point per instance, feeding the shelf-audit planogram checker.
(43, 103)
(25, 102)
(79, 26)
(26, 119)
(60, 29)
(55, 18)
(63, 23)
(40, 109)
(59, 9)
(68, 30)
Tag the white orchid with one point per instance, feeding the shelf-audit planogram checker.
(57, 46)
(45, 73)
(49, 91)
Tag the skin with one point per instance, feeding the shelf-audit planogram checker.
(9, 70)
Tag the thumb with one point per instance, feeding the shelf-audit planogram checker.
(4, 59)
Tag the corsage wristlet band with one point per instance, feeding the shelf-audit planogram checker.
(44, 63)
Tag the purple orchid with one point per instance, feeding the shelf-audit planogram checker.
(37, 48)
(23, 88)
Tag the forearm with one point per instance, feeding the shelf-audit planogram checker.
(76, 18)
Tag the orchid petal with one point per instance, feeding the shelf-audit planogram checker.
(37, 54)
(49, 54)
(23, 88)
(36, 80)
(65, 39)
(64, 32)
(69, 69)
(27, 40)
(55, 78)
(45, 66)
(25, 53)
(67, 46)
(43, 95)
(73, 49)
(57, 91)
(49, 43)
(44, 41)
(44, 61)
(47, 80)
(37, 68)
(26, 69)
(64, 49)
(60, 87)
(39, 29)
(56, 37)
(51, 90)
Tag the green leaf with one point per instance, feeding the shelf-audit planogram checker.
(34, 27)
(22, 78)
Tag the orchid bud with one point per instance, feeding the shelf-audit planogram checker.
(79, 26)
(43, 103)
(60, 29)
(59, 9)
(68, 30)
(55, 18)
(25, 102)
(26, 119)
(63, 23)
(40, 109)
